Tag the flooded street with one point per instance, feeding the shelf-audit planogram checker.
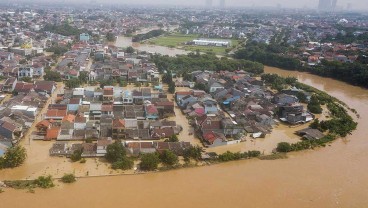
(335, 176)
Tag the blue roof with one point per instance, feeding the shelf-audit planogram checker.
(227, 102)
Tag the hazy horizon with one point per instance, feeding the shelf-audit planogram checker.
(341, 4)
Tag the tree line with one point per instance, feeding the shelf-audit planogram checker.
(182, 64)
(273, 55)
(145, 36)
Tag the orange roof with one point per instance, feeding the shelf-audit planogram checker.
(69, 118)
(56, 113)
(52, 133)
(43, 123)
(118, 123)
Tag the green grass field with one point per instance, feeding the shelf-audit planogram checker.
(172, 40)
(177, 40)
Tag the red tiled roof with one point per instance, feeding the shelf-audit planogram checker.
(69, 118)
(52, 133)
(118, 123)
(151, 109)
(56, 113)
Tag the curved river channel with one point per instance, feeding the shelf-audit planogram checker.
(335, 176)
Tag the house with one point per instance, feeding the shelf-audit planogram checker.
(165, 108)
(10, 131)
(45, 87)
(215, 86)
(106, 125)
(231, 128)
(55, 114)
(179, 95)
(38, 70)
(310, 134)
(95, 110)
(80, 122)
(59, 149)
(210, 105)
(9, 84)
(160, 133)
(209, 124)
(23, 87)
(52, 133)
(102, 146)
(184, 101)
(283, 99)
(42, 127)
(89, 149)
(74, 104)
(108, 94)
(25, 71)
(151, 112)
(118, 129)
(127, 97)
(136, 148)
(294, 114)
(214, 139)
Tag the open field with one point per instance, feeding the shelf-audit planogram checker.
(172, 40)
(177, 40)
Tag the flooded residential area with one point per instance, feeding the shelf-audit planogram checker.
(135, 123)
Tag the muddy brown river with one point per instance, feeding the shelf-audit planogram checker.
(335, 176)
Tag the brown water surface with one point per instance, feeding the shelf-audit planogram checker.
(335, 176)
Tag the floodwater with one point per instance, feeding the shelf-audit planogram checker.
(335, 176)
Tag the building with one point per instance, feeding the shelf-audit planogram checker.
(25, 71)
(84, 37)
(217, 43)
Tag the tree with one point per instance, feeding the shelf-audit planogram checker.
(110, 37)
(77, 155)
(173, 138)
(124, 163)
(171, 88)
(149, 161)
(14, 157)
(169, 158)
(200, 86)
(283, 147)
(301, 97)
(73, 83)
(52, 76)
(68, 178)
(194, 152)
(130, 49)
(167, 78)
(115, 152)
(314, 105)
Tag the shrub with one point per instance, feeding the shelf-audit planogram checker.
(44, 182)
(283, 147)
(68, 178)
(124, 164)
